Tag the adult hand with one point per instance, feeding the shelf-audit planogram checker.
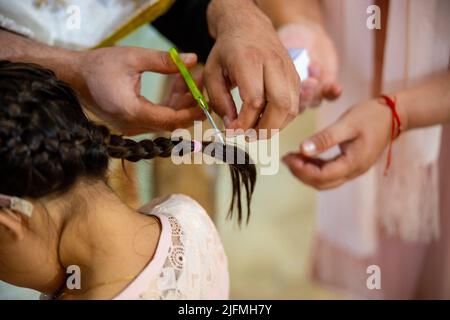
(109, 83)
(249, 54)
(322, 80)
(178, 94)
(362, 133)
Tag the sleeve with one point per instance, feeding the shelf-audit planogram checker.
(186, 26)
(197, 251)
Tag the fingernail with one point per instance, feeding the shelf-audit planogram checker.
(315, 71)
(226, 121)
(309, 147)
(188, 57)
(175, 97)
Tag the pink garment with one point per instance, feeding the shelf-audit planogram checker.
(392, 222)
(189, 262)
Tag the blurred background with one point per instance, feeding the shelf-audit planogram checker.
(269, 258)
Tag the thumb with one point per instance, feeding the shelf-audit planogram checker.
(160, 61)
(335, 134)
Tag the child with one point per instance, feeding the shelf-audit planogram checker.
(58, 217)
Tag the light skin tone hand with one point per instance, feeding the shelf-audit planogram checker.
(300, 25)
(111, 84)
(178, 94)
(248, 54)
(363, 132)
(108, 82)
(322, 81)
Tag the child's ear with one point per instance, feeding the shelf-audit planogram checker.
(12, 224)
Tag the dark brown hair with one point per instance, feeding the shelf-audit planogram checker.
(47, 142)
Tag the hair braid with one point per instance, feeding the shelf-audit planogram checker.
(133, 151)
(47, 142)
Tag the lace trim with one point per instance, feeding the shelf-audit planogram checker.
(167, 281)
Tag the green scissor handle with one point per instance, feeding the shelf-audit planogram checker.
(196, 93)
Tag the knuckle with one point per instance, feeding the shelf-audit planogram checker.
(293, 111)
(276, 58)
(324, 139)
(164, 60)
(256, 103)
(284, 103)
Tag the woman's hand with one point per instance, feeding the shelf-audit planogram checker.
(362, 133)
(322, 81)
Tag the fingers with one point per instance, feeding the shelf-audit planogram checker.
(310, 93)
(317, 87)
(179, 96)
(182, 101)
(335, 134)
(313, 92)
(249, 78)
(319, 173)
(219, 94)
(325, 174)
(157, 117)
(331, 91)
(158, 61)
(282, 95)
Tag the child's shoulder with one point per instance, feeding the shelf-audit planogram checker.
(185, 209)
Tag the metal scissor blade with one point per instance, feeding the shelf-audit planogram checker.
(217, 133)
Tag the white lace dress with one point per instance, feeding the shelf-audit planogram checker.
(189, 262)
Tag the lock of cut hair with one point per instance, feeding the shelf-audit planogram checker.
(47, 142)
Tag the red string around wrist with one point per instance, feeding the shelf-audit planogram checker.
(396, 128)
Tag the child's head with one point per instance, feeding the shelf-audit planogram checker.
(48, 147)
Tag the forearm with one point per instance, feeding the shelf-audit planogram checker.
(226, 15)
(283, 12)
(425, 105)
(17, 48)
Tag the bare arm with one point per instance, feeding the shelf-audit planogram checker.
(364, 132)
(108, 82)
(427, 104)
(17, 48)
(283, 12)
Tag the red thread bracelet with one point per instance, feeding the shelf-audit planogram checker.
(396, 124)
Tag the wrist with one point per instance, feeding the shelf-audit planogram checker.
(68, 66)
(225, 15)
(402, 111)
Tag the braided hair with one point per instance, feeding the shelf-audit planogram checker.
(47, 142)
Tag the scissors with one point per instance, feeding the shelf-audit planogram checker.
(196, 93)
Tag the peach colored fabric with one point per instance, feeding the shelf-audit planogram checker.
(393, 222)
(189, 262)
